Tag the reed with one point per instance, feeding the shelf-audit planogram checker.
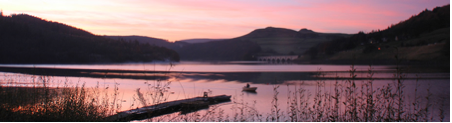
(43, 102)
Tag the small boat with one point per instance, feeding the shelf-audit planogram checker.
(249, 89)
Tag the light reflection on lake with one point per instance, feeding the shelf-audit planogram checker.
(192, 79)
(207, 67)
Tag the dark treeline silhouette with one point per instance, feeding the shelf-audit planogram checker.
(28, 39)
(145, 40)
(425, 22)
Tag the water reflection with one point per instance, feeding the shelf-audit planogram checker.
(191, 80)
(257, 76)
(250, 92)
(210, 67)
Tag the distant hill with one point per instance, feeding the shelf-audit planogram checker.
(281, 41)
(29, 39)
(199, 40)
(267, 41)
(424, 37)
(306, 31)
(146, 40)
(271, 32)
(224, 50)
(218, 50)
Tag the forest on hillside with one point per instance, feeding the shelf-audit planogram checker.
(426, 28)
(28, 39)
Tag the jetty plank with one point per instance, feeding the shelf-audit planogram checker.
(195, 103)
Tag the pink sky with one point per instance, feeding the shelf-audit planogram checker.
(185, 19)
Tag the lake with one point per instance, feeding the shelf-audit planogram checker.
(190, 79)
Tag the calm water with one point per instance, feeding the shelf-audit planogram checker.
(191, 79)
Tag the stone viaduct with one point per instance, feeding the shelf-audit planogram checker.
(277, 58)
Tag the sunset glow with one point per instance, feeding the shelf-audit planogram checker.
(176, 20)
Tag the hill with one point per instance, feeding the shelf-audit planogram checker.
(28, 39)
(145, 40)
(268, 41)
(198, 40)
(423, 38)
(218, 50)
(429, 46)
(281, 41)
(224, 50)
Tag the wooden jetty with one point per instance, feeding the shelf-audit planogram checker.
(185, 105)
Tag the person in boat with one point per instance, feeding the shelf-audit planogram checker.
(247, 85)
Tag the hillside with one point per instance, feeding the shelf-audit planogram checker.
(280, 41)
(199, 40)
(428, 46)
(218, 50)
(28, 39)
(268, 41)
(423, 38)
(224, 50)
(145, 40)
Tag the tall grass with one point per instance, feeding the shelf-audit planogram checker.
(346, 102)
(47, 100)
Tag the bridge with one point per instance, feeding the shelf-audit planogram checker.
(277, 59)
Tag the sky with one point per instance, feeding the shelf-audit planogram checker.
(174, 20)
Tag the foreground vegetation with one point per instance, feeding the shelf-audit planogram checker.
(47, 100)
(44, 102)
